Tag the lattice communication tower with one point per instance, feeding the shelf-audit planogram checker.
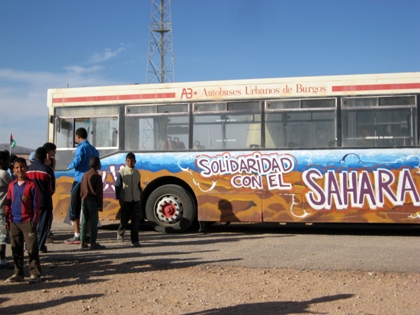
(160, 60)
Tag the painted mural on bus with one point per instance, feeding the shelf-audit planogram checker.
(351, 186)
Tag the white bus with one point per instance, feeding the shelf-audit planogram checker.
(305, 149)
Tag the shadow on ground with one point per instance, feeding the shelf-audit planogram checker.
(272, 308)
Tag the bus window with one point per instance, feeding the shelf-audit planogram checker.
(300, 124)
(64, 133)
(237, 127)
(157, 127)
(102, 131)
(378, 122)
(156, 133)
(101, 122)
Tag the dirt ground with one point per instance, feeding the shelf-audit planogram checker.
(128, 282)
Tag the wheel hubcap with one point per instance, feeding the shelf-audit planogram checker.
(169, 209)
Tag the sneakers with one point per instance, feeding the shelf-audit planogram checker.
(84, 246)
(120, 238)
(136, 244)
(5, 265)
(50, 238)
(73, 240)
(34, 279)
(44, 249)
(15, 278)
(95, 246)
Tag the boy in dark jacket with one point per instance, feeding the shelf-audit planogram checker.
(43, 176)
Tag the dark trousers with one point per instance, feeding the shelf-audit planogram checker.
(50, 223)
(21, 233)
(130, 211)
(89, 215)
(43, 228)
(75, 202)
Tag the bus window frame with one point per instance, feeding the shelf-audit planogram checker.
(156, 113)
(74, 118)
(379, 108)
(333, 109)
(224, 112)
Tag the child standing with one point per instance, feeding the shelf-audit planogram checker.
(92, 201)
(128, 191)
(43, 176)
(5, 180)
(22, 212)
(50, 161)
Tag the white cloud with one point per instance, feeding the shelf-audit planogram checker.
(19, 76)
(23, 96)
(23, 100)
(24, 93)
(78, 70)
(107, 54)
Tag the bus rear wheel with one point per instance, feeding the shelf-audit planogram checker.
(170, 208)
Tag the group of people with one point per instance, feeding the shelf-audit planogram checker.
(26, 208)
(26, 203)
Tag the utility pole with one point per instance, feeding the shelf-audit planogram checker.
(160, 60)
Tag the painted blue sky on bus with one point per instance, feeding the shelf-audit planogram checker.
(323, 160)
(52, 44)
(213, 164)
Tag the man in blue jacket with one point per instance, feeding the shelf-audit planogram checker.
(80, 164)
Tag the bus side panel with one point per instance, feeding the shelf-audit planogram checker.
(224, 205)
(367, 186)
(216, 201)
(364, 186)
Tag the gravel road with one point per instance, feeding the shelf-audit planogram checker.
(321, 247)
(233, 269)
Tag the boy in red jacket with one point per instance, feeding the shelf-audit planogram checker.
(22, 213)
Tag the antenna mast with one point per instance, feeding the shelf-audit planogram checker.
(160, 60)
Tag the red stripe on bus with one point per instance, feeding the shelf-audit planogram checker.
(128, 97)
(376, 87)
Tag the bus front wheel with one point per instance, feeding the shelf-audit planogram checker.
(170, 208)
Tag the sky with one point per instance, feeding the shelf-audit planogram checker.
(56, 43)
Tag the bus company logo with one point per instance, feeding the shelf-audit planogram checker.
(248, 171)
(188, 93)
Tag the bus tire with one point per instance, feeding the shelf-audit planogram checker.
(170, 208)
